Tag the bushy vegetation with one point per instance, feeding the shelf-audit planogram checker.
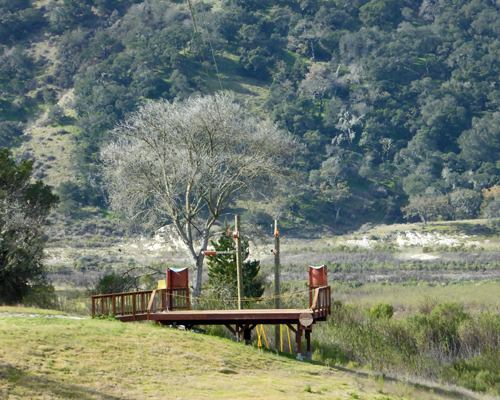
(395, 102)
(441, 341)
(24, 207)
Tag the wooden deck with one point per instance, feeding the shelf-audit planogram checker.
(170, 307)
(222, 317)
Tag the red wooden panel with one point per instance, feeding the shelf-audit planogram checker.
(177, 278)
(318, 276)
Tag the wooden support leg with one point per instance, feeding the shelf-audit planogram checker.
(240, 329)
(231, 329)
(298, 337)
(247, 335)
(308, 341)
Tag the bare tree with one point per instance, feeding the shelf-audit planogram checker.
(184, 162)
(345, 126)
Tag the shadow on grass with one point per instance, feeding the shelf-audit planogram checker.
(14, 376)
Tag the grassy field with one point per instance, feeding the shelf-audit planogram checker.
(409, 297)
(44, 357)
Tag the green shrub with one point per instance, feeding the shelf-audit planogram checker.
(382, 310)
(41, 296)
(106, 317)
(481, 373)
(113, 283)
(446, 318)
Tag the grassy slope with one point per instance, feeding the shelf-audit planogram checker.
(43, 357)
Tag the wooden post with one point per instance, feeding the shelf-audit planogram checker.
(114, 305)
(308, 342)
(277, 291)
(93, 307)
(298, 338)
(239, 261)
(133, 305)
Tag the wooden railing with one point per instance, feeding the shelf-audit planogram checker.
(144, 302)
(322, 303)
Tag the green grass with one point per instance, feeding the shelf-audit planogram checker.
(58, 358)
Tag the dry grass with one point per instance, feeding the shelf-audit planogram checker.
(407, 299)
(53, 151)
(59, 358)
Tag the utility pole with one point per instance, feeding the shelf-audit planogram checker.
(239, 261)
(276, 251)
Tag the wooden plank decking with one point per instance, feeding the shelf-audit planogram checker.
(223, 317)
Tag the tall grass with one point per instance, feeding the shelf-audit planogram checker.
(406, 296)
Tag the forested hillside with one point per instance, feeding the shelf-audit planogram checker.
(396, 101)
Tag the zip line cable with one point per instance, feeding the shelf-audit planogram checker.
(206, 67)
(204, 15)
(250, 299)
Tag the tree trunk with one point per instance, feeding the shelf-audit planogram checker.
(198, 264)
(424, 220)
(337, 213)
(198, 269)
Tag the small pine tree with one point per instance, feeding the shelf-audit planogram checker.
(222, 274)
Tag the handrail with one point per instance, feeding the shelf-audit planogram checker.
(147, 302)
(142, 302)
(151, 301)
(117, 294)
(315, 301)
(321, 305)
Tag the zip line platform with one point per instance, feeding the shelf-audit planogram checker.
(170, 305)
(162, 306)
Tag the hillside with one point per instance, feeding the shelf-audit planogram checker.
(394, 101)
(45, 355)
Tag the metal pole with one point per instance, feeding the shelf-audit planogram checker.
(239, 261)
(277, 291)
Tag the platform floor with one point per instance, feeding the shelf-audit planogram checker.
(223, 317)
